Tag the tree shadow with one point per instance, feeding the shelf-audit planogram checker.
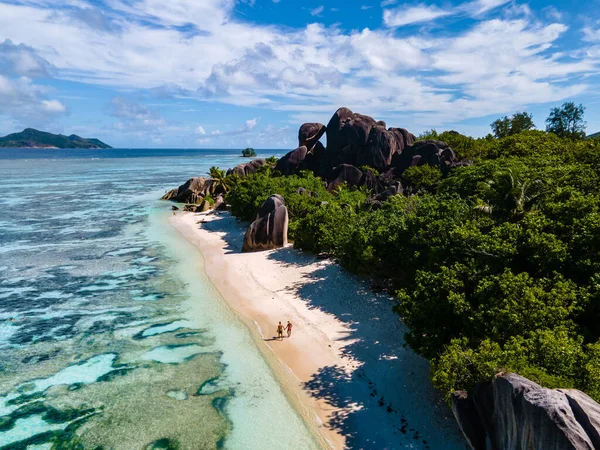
(389, 401)
(223, 223)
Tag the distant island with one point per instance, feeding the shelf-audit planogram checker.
(593, 136)
(31, 138)
(248, 153)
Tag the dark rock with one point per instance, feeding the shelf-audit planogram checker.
(270, 228)
(192, 191)
(359, 140)
(514, 413)
(303, 191)
(345, 173)
(336, 140)
(395, 189)
(353, 176)
(381, 146)
(316, 161)
(246, 169)
(292, 163)
(433, 153)
(174, 208)
(468, 420)
(309, 134)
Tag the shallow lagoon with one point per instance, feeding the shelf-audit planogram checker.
(118, 339)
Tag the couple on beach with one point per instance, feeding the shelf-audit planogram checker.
(280, 328)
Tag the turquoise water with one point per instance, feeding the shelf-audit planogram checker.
(117, 338)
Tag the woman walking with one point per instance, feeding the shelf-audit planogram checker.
(289, 328)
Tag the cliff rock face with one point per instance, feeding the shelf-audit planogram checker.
(270, 229)
(513, 413)
(192, 191)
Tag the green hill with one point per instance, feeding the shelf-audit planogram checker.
(31, 138)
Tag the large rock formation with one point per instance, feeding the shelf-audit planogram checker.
(270, 228)
(513, 413)
(359, 140)
(192, 191)
(248, 168)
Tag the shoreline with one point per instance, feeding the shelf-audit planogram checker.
(344, 368)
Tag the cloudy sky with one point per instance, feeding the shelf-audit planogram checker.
(232, 73)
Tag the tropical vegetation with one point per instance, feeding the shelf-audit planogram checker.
(248, 152)
(495, 266)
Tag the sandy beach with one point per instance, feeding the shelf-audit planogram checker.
(345, 368)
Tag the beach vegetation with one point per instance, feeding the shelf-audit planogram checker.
(494, 265)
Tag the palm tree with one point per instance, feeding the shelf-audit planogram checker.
(512, 194)
(219, 176)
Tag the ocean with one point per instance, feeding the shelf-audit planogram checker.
(111, 335)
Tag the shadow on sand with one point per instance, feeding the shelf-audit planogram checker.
(388, 402)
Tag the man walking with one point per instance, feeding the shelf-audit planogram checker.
(279, 331)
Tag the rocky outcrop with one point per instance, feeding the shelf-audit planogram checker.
(309, 134)
(246, 169)
(192, 191)
(359, 140)
(513, 413)
(270, 228)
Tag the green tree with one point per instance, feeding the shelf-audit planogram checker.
(512, 194)
(507, 126)
(567, 121)
(248, 152)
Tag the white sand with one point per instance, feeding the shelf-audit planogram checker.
(345, 367)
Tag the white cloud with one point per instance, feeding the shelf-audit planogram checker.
(54, 106)
(406, 15)
(488, 67)
(478, 7)
(385, 3)
(200, 130)
(317, 11)
(24, 102)
(591, 34)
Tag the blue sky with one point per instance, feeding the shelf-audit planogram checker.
(230, 74)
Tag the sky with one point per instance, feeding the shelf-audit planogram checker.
(238, 73)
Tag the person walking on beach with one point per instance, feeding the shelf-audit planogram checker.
(288, 327)
(279, 331)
